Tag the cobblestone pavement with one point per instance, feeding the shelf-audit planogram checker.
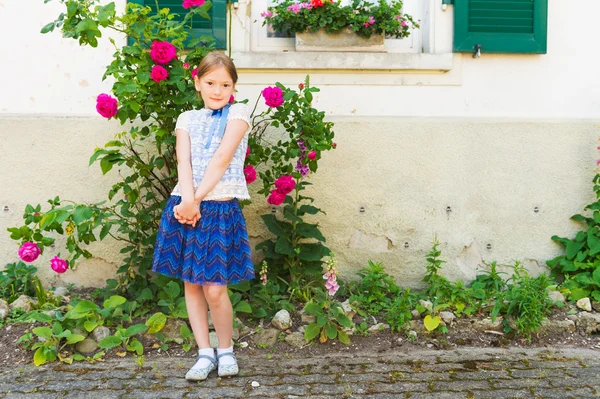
(461, 373)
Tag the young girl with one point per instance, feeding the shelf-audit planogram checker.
(202, 237)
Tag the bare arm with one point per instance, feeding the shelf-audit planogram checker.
(184, 165)
(234, 133)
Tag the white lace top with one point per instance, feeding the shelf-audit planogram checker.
(205, 128)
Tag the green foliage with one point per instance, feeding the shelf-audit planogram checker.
(579, 268)
(333, 17)
(525, 301)
(488, 283)
(330, 319)
(398, 314)
(124, 337)
(375, 291)
(16, 280)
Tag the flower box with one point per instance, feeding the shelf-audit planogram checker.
(346, 40)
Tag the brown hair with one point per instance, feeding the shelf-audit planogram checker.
(216, 59)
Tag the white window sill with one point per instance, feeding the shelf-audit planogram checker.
(345, 61)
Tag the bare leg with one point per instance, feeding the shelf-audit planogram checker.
(221, 312)
(197, 309)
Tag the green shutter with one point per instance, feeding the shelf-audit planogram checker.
(215, 27)
(501, 26)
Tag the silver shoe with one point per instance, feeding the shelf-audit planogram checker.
(230, 369)
(200, 374)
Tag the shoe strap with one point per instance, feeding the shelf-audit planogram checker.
(226, 354)
(211, 358)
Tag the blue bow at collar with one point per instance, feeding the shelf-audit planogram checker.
(219, 123)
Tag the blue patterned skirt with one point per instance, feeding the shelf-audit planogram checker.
(215, 252)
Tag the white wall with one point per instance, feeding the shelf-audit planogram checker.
(46, 74)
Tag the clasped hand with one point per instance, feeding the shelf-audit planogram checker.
(187, 212)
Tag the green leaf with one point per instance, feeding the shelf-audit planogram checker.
(48, 28)
(43, 332)
(573, 247)
(244, 307)
(81, 213)
(145, 294)
(110, 342)
(136, 346)
(44, 318)
(143, 76)
(79, 357)
(331, 330)
(283, 246)
(274, 225)
(313, 309)
(39, 357)
(596, 276)
(105, 230)
(89, 325)
(431, 323)
(114, 301)
(47, 220)
(343, 337)
(172, 289)
(312, 210)
(343, 320)
(578, 293)
(290, 216)
(85, 306)
(309, 231)
(313, 252)
(74, 338)
(312, 330)
(156, 322)
(135, 329)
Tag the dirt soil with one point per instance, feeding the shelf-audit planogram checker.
(461, 333)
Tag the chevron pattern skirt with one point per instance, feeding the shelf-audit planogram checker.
(215, 252)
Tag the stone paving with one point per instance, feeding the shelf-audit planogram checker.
(461, 373)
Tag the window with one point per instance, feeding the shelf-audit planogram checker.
(265, 39)
(501, 26)
(215, 27)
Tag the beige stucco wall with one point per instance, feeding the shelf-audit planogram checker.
(405, 172)
(481, 136)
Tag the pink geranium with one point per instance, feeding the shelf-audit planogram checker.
(192, 3)
(158, 73)
(273, 96)
(162, 52)
(285, 184)
(370, 22)
(29, 252)
(266, 14)
(276, 198)
(295, 8)
(404, 24)
(106, 105)
(250, 174)
(312, 155)
(58, 265)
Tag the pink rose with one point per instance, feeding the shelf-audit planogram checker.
(276, 198)
(192, 3)
(106, 105)
(285, 184)
(247, 151)
(312, 155)
(29, 252)
(186, 65)
(231, 99)
(58, 265)
(162, 52)
(194, 72)
(273, 96)
(334, 145)
(158, 73)
(250, 174)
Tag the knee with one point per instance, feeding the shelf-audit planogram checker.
(192, 289)
(215, 294)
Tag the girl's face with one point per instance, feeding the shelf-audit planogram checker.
(215, 87)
